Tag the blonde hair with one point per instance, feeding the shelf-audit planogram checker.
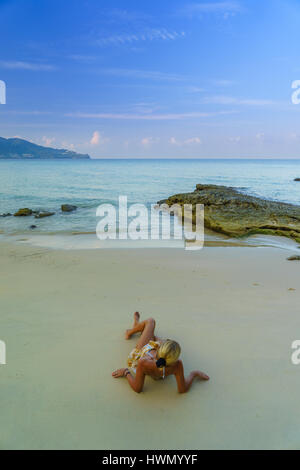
(170, 351)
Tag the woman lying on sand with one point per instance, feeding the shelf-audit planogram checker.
(155, 357)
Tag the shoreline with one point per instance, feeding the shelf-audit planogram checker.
(248, 221)
(89, 241)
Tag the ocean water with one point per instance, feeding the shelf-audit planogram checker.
(45, 185)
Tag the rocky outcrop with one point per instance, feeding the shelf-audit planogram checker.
(294, 258)
(23, 212)
(38, 214)
(41, 215)
(235, 214)
(68, 208)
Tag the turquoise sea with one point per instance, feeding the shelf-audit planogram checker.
(48, 184)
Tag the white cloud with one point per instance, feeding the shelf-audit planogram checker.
(225, 8)
(193, 140)
(19, 65)
(98, 139)
(142, 74)
(235, 139)
(148, 117)
(146, 141)
(95, 138)
(82, 58)
(223, 82)
(48, 141)
(149, 35)
(68, 145)
(125, 16)
(145, 108)
(230, 100)
(173, 141)
(260, 136)
(190, 141)
(293, 136)
(195, 89)
(28, 113)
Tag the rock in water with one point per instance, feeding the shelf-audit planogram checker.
(41, 215)
(235, 214)
(32, 227)
(23, 212)
(7, 214)
(297, 179)
(68, 208)
(294, 258)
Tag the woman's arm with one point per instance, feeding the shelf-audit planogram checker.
(137, 382)
(184, 384)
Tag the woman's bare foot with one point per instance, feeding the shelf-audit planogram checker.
(136, 319)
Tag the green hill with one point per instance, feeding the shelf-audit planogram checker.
(22, 149)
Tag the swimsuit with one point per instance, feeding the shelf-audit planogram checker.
(137, 354)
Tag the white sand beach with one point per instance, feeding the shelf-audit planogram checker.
(235, 312)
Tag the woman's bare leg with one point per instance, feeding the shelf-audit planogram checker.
(146, 328)
(147, 334)
(136, 320)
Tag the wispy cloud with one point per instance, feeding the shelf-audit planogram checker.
(27, 113)
(82, 58)
(195, 89)
(220, 83)
(142, 74)
(193, 140)
(68, 145)
(20, 65)
(145, 107)
(230, 100)
(147, 117)
(147, 141)
(48, 141)
(226, 8)
(223, 82)
(125, 16)
(160, 34)
(235, 139)
(190, 141)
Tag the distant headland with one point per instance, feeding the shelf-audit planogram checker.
(19, 149)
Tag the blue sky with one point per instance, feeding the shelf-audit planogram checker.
(152, 79)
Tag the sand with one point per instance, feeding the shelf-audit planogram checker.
(63, 316)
